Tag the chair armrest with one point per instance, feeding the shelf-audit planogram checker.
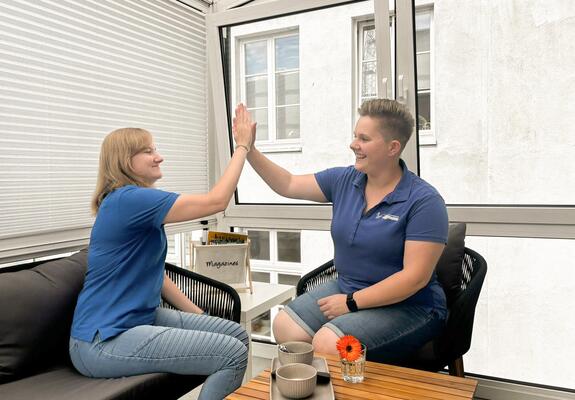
(316, 277)
(217, 298)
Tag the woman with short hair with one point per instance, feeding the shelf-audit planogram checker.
(389, 229)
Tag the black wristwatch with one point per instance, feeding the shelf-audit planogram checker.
(351, 304)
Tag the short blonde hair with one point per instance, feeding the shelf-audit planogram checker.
(115, 169)
(395, 119)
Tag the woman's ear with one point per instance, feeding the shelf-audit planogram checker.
(394, 148)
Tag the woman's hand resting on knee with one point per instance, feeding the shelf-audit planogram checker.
(333, 306)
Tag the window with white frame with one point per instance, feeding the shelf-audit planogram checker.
(368, 69)
(367, 61)
(270, 86)
(272, 248)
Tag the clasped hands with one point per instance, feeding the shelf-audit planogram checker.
(333, 306)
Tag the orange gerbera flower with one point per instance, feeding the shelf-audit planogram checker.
(349, 347)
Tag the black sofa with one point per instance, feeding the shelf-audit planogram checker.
(37, 301)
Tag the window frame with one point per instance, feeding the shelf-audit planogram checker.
(426, 136)
(274, 264)
(482, 220)
(272, 144)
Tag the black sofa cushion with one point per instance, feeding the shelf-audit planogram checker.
(37, 309)
(65, 383)
(448, 269)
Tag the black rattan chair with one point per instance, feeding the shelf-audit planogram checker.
(447, 349)
(217, 298)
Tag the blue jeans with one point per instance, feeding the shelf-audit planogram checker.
(390, 333)
(178, 342)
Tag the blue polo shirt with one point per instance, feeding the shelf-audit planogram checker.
(369, 247)
(126, 259)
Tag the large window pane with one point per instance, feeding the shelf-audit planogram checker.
(256, 57)
(524, 322)
(422, 27)
(257, 91)
(369, 43)
(288, 122)
(289, 248)
(424, 110)
(503, 109)
(287, 88)
(261, 117)
(423, 72)
(259, 245)
(287, 53)
(369, 84)
(312, 70)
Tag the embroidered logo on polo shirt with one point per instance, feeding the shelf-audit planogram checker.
(390, 217)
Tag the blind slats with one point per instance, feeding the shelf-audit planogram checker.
(70, 73)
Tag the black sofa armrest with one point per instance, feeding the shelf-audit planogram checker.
(217, 298)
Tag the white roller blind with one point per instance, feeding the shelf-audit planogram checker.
(72, 71)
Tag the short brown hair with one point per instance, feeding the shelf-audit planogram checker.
(115, 168)
(395, 119)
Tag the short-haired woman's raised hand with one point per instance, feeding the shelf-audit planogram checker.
(243, 129)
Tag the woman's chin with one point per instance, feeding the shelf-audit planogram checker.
(359, 166)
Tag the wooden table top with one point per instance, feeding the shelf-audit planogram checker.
(382, 381)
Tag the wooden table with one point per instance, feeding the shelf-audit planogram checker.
(381, 382)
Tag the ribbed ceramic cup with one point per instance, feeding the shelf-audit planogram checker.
(298, 352)
(296, 381)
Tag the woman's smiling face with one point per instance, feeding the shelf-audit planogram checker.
(146, 164)
(369, 146)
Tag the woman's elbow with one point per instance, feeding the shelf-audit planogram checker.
(219, 202)
(418, 282)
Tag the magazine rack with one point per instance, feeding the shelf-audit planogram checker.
(228, 263)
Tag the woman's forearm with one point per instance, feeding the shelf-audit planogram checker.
(391, 290)
(173, 295)
(224, 189)
(275, 176)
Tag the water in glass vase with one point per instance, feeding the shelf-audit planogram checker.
(352, 371)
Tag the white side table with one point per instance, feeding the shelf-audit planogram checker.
(264, 297)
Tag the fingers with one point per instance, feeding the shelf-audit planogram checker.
(243, 115)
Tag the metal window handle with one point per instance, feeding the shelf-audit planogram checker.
(401, 87)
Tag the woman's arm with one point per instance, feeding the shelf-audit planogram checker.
(281, 181)
(192, 206)
(173, 295)
(284, 183)
(419, 261)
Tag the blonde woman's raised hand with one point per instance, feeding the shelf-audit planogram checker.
(243, 129)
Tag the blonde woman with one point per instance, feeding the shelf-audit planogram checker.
(118, 328)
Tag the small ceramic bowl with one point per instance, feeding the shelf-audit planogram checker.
(296, 381)
(297, 352)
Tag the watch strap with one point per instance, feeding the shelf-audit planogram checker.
(351, 304)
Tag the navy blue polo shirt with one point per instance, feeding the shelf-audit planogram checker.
(126, 259)
(369, 247)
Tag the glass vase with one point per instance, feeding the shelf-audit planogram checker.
(353, 371)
